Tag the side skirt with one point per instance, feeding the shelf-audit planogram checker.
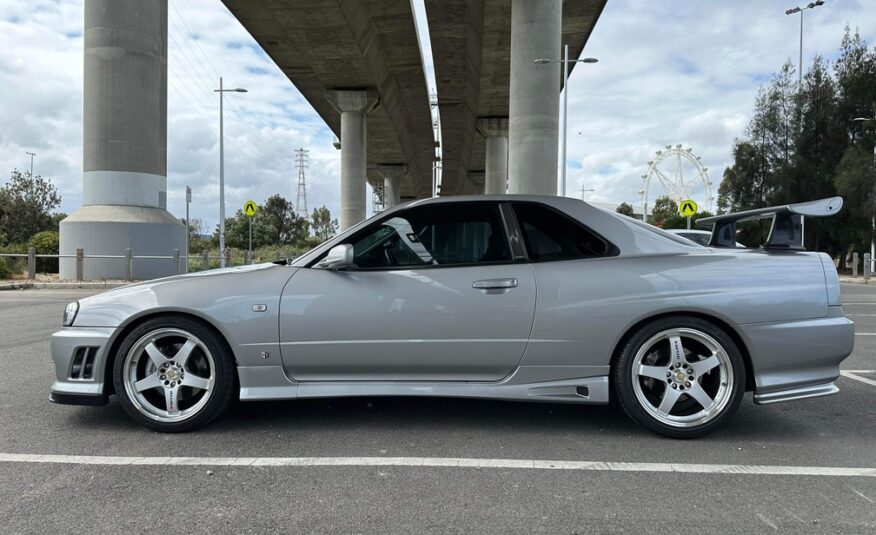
(269, 383)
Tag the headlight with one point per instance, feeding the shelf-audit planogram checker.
(70, 313)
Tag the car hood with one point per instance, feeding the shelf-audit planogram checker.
(190, 292)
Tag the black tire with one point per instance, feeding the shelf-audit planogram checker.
(221, 393)
(729, 388)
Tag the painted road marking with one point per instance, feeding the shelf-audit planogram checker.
(865, 334)
(441, 462)
(853, 374)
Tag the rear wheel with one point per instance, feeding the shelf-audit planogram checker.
(173, 374)
(681, 377)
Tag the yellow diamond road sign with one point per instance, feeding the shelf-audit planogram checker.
(249, 208)
(687, 208)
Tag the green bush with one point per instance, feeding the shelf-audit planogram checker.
(15, 265)
(45, 242)
(5, 272)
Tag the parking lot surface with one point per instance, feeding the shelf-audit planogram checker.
(366, 481)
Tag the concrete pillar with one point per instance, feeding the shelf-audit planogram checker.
(353, 105)
(391, 175)
(124, 142)
(536, 27)
(495, 130)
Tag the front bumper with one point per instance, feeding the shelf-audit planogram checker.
(798, 359)
(80, 356)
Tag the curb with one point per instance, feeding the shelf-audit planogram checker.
(853, 280)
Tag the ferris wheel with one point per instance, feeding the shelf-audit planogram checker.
(681, 174)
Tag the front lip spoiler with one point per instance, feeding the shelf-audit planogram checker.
(806, 392)
(78, 399)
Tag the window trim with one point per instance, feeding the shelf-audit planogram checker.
(613, 249)
(401, 213)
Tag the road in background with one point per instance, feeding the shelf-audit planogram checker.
(838, 431)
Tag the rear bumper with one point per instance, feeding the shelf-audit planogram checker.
(798, 359)
(80, 355)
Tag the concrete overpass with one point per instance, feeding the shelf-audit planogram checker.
(472, 51)
(359, 65)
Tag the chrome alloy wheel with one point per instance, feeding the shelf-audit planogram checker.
(682, 377)
(169, 375)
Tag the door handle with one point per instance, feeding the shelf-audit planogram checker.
(494, 284)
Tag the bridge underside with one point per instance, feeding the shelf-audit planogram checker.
(471, 49)
(325, 45)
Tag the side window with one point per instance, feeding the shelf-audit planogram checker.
(549, 235)
(448, 234)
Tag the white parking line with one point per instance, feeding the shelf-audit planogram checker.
(440, 462)
(865, 334)
(853, 374)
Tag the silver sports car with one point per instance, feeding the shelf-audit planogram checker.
(522, 298)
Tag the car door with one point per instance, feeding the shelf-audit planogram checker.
(436, 295)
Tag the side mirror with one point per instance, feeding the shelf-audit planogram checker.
(338, 257)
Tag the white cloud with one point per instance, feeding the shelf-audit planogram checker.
(669, 72)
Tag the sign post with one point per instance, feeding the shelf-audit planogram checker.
(250, 208)
(688, 209)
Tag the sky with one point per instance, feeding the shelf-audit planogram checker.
(670, 72)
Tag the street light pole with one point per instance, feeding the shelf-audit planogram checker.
(188, 224)
(221, 92)
(31, 154)
(565, 61)
(798, 9)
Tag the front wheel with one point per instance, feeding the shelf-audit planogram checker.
(173, 374)
(681, 377)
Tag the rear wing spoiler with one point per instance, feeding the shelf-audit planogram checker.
(786, 232)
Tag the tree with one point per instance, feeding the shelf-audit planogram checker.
(275, 223)
(625, 209)
(664, 209)
(197, 242)
(26, 203)
(324, 227)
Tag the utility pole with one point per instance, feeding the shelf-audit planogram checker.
(31, 154)
(302, 162)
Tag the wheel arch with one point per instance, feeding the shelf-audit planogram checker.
(720, 323)
(132, 323)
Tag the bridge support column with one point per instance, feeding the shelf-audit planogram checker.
(495, 130)
(353, 105)
(536, 27)
(391, 175)
(124, 162)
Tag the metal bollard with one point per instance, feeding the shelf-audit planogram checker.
(80, 264)
(31, 263)
(205, 261)
(129, 265)
(176, 261)
(866, 267)
(247, 258)
(228, 258)
(854, 264)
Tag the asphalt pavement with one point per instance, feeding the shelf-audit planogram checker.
(367, 497)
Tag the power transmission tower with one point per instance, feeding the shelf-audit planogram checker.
(302, 162)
